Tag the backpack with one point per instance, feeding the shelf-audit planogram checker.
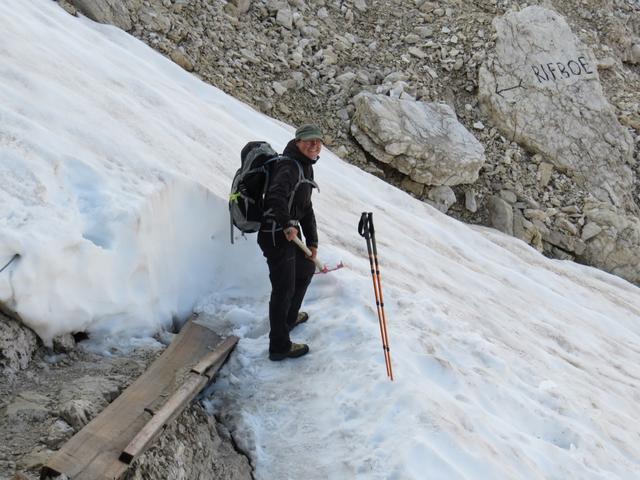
(249, 186)
(250, 183)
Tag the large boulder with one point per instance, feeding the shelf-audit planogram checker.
(542, 89)
(422, 140)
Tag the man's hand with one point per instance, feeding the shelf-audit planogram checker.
(314, 252)
(290, 233)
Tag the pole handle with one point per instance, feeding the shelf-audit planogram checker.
(307, 252)
(363, 226)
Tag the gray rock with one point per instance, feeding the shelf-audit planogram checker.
(35, 459)
(28, 403)
(360, 5)
(250, 56)
(616, 248)
(606, 63)
(570, 209)
(559, 253)
(632, 52)
(182, 59)
(348, 16)
(68, 7)
(540, 226)
(567, 243)
(470, 200)
(541, 88)
(86, 397)
(78, 412)
(343, 114)
(279, 87)
(442, 197)
(342, 151)
(544, 173)
(17, 345)
(113, 12)
(417, 52)
(526, 230)
(155, 20)
(58, 433)
(174, 454)
(296, 59)
(508, 196)
(424, 141)
(500, 214)
(412, 38)
(567, 227)
(64, 343)
(414, 187)
(242, 6)
(519, 225)
(346, 79)
(424, 31)
(284, 17)
(589, 231)
(536, 214)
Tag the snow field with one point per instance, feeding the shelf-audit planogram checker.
(116, 165)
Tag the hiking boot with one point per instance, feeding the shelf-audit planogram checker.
(295, 350)
(302, 317)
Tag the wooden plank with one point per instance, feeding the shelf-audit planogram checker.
(179, 400)
(165, 415)
(221, 352)
(92, 453)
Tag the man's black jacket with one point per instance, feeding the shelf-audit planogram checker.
(283, 179)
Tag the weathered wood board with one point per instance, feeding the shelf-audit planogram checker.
(93, 453)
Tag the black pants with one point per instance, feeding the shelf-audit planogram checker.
(290, 273)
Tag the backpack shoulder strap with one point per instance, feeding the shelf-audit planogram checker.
(301, 179)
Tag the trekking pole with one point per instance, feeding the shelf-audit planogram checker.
(366, 230)
(379, 280)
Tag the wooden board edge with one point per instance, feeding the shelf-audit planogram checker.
(222, 350)
(179, 400)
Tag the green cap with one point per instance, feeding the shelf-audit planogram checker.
(308, 132)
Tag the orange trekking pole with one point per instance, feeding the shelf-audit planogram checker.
(366, 230)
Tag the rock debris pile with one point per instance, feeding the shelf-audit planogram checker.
(48, 395)
(548, 88)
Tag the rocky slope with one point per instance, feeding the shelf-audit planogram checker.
(313, 60)
(398, 86)
(47, 395)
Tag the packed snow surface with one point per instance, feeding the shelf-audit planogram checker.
(115, 168)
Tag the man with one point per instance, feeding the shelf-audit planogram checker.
(288, 211)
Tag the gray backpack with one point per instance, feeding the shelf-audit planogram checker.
(250, 183)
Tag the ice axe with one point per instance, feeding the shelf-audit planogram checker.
(321, 267)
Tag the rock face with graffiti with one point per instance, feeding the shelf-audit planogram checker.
(542, 89)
